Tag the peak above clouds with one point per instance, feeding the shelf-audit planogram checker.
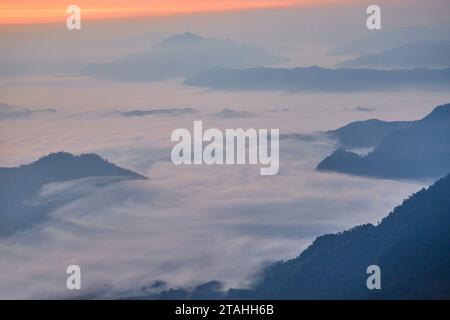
(184, 38)
(20, 184)
(408, 150)
(180, 56)
(367, 133)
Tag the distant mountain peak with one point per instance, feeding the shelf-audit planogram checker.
(63, 156)
(183, 38)
(183, 55)
(87, 164)
(23, 183)
(408, 149)
(441, 112)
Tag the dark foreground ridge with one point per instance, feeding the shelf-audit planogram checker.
(411, 246)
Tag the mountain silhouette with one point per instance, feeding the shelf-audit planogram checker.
(411, 246)
(368, 133)
(420, 150)
(184, 38)
(317, 79)
(20, 184)
(413, 55)
(182, 55)
(384, 40)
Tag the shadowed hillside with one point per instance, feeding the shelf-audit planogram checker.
(421, 150)
(369, 133)
(411, 246)
(19, 185)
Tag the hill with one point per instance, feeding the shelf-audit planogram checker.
(317, 79)
(411, 246)
(182, 55)
(368, 133)
(421, 150)
(387, 39)
(413, 55)
(20, 184)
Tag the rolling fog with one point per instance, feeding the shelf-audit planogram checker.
(190, 224)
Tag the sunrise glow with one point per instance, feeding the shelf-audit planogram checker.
(45, 11)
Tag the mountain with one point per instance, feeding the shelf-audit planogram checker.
(182, 55)
(19, 185)
(413, 55)
(184, 38)
(157, 112)
(368, 133)
(229, 113)
(420, 150)
(411, 246)
(320, 79)
(383, 40)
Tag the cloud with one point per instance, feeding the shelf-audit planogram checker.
(185, 225)
(188, 225)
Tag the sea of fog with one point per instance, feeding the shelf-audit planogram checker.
(188, 224)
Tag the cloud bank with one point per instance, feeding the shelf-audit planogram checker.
(187, 225)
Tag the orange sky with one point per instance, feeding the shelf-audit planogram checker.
(41, 11)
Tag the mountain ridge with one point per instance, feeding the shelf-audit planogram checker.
(411, 245)
(366, 133)
(424, 54)
(420, 150)
(19, 184)
(182, 55)
(318, 79)
(417, 231)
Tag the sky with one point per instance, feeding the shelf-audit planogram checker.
(29, 11)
